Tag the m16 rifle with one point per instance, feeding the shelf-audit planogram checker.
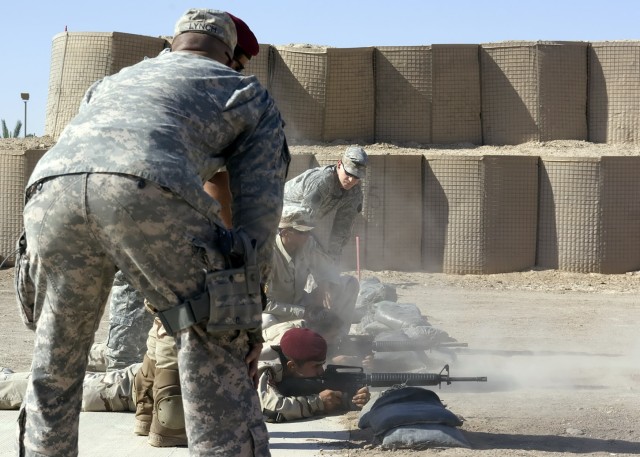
(350, 379)
(364, 344)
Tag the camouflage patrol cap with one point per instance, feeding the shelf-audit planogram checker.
(297, 218)
(355, 161)
(217, 24)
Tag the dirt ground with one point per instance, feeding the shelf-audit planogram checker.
(561, 352)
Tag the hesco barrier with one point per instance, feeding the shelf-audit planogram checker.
(458, 214)
(479, 214)
(78, 59)
(614, 92)
(589, 218)
(533, 91)
(325, 94)
(493, 93)
(403, 94)
(15, 168)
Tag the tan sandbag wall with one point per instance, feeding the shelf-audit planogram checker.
(78, 59)
(614, 92)
(15, 168)
(479, 214)
(589, 217)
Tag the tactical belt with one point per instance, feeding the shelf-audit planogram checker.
(185, 314)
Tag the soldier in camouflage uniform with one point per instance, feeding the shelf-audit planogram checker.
(334, 187)
(159, 411)
(123, 188)
(101, 391)
(128, 322)
(302, 353)
(297, 257)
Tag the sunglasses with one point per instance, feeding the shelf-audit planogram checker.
(352, 176)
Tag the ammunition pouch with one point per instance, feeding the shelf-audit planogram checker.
(25, 289)
(232, 299)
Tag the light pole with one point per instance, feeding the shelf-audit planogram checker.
(25, 98)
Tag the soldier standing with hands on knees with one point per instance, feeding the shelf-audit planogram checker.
(123, 188)
(334, 187)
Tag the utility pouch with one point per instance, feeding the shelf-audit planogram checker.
(232, 298)
(235, 300)
(25, 289)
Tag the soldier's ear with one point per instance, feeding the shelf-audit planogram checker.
(291, 365)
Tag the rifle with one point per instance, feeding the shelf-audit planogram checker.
(350, 379)
(364, 344)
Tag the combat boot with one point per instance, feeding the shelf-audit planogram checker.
(143, 396)
(167, 423)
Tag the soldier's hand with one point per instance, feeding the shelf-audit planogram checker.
(361, 397)
(332, 400)
(367, 362)
(252, 362)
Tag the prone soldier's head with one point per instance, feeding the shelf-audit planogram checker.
(303, 353)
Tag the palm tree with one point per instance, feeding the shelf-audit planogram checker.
(16, 131)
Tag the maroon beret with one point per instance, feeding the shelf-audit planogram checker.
(304, 345)
(246, 39)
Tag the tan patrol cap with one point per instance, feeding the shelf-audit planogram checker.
(215, 23)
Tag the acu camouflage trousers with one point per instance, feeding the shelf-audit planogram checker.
(80, 228)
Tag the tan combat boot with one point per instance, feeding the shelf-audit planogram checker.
(143, 396)
(167, 424)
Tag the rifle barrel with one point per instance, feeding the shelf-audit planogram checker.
(410, 345)
(416, 379)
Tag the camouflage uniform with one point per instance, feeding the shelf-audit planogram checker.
(275, 406)
(286, 295)
(319, 190)
(101, 391)
(123, 187)
(128, 325)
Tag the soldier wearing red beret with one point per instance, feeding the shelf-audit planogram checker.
(303, 353)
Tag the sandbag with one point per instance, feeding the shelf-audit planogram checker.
(388, 410)
(373, 291)
(431, 336)
(399, 315)
(422, 436)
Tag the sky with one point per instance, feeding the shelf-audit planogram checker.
(27, 28)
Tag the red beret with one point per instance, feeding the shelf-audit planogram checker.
(304, 345)
(246, 39)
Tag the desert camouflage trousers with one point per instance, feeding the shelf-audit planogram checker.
(80, 228)
(107, 392)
